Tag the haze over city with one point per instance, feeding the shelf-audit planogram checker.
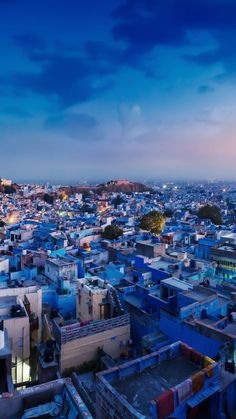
(117, 209)
(99, 90)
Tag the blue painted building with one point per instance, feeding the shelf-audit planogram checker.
(204, 248)
(147, 387)
(61, 298)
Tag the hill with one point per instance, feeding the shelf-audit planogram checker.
(123, 186)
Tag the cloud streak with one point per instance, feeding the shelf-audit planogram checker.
(77, 126)
(134, 90)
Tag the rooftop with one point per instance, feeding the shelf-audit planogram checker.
(154, 380)
(94, 284)
(200, 294)
(163, 264)
(60, 261)
(57, 396)
(177, 283)
(6, 304)
(226, 248)
(230, 329)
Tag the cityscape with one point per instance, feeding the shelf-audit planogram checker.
(117, 300)
(117, 209)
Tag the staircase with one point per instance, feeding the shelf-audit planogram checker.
(117, 308)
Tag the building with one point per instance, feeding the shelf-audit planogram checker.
(80, 342)
(204, 248)
(96, 300)
(15, 320)
(6, 384)
(176, 381)
(57, 398)
(225, 257)
(4, 264)
(20, 314)
(150, 249)
(61, 268)
(30, 295)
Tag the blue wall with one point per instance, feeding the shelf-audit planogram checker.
(178, 330)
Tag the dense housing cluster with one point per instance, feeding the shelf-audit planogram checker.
(118, 301)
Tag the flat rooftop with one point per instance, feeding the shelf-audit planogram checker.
(147, 242)
(230, 328)
(134, 300)
(177, 283)
(155, 380)
(42, 400)
(61, 262)
(226, 248)
(93, 284)
(198, 294)
(162, 265)
(5, 305)
(4, 257)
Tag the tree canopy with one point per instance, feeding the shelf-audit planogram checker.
(87, 208)
(153, 221)
(210, 212)
(118, 200)
(9, 189)
(48, 198)
(168, 213)
(112, 232)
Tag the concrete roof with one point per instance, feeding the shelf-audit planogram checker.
(177, 283)
(140, 388)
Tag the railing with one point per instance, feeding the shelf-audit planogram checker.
(75, 331)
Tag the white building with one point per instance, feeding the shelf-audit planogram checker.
(23, 324)
(4, 264)
(61, 268)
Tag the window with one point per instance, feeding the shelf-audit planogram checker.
(164, 292)
(172, 292)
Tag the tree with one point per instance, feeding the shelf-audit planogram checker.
(9, 189)
(168, 213)
(87, 208)
(86, 194)
(118, 200)
(153, 221)
(112, 232)
(210, 212)
(48, 198)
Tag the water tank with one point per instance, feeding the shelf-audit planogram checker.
(2, 339)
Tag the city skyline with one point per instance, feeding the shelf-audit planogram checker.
(133, 89)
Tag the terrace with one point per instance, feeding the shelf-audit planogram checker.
(155, 380)
(169, 377)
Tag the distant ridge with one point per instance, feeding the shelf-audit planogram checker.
(123, 186)
(111, 186)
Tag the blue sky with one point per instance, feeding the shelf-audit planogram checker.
(117, 88)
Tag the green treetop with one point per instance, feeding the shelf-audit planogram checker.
(112, 232)
(153, 222)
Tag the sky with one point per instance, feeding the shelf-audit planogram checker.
(104, 89)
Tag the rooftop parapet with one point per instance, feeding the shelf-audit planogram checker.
(56, 396)
(80, 330)
(156, 385)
